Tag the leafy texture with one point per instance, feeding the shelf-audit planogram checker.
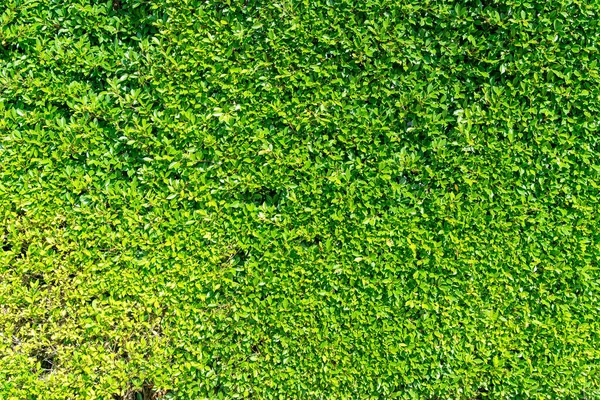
(299, 199)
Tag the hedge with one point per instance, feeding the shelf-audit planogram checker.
(299, 199)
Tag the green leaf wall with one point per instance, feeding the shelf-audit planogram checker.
(321, 199)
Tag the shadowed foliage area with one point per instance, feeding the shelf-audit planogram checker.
(299, 199)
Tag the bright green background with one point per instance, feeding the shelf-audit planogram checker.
(318, 199)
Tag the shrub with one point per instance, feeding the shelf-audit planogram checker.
(299, 199)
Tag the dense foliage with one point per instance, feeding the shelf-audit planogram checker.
(299, 199)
